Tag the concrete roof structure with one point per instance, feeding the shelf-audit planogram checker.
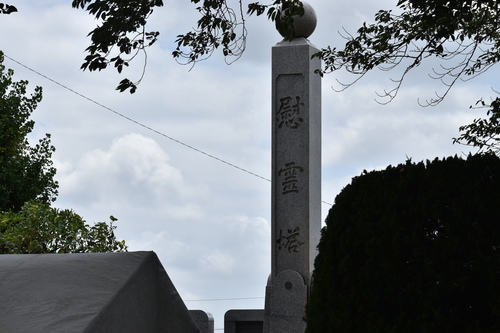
(89, 292)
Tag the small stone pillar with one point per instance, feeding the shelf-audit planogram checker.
(296, 177)
(204, 320)
(243, 321)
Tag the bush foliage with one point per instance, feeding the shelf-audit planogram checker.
(26, 172)
(39, 228)
(27, 187)
(412, 248)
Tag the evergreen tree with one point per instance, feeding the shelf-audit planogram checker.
(26, 172)
(412, 248)
(27, 187)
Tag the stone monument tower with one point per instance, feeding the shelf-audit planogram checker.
(296, 177)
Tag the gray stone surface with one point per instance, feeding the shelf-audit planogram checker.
(244, 321)
(304, 25)
(296, 182)
(204, 320)
(286, 303)
(126, 292)
(296, 162)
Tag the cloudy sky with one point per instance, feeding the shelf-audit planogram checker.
(209, 222)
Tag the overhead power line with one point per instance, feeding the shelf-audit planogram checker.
(221, 299)
(141, 124)
(137, 122)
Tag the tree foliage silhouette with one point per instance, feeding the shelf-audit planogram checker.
(412, 248)
(26, 172)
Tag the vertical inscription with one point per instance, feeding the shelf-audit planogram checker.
(289, 112)
(290, 177)
(290, 240)
(296, 181)
(290, 107)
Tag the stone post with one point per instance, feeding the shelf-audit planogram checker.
(296, 177)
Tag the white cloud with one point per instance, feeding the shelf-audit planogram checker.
(218, 261)
(135, 170)
(208, 222)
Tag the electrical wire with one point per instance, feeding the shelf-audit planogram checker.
(141, 124)
(165, 136)
(221, 299)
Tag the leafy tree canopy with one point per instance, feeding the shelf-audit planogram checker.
(122, 34)
(412, 248)
(26, 172)
(7, 9)
(39, 228)
(27, 222)
(462, 36)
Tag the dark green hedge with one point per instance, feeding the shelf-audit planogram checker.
(413, 248)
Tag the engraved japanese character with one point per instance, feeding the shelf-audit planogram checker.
(289, 113)
(290, 241)
(290, 173)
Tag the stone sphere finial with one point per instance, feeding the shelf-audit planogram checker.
(304, 25)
